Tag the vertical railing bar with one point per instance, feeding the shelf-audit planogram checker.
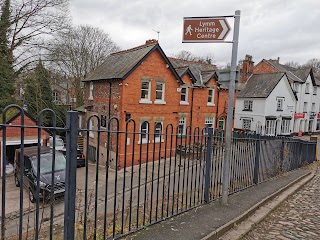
(146, 176)
(97, 180)
(139, 180)
(152, 175)
(22, 169)
(174, 171)
(199, 145)
(192, 165)
(86, 180)
(208, 166)
(116, 179)
(132, 166)
(179, 174)
(188, 167)
(124, 177)
(164, 171)
(170, 163)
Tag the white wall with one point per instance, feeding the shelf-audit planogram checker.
(257, 113)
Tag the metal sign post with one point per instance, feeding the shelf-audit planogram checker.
(232, 87)
(216, 29)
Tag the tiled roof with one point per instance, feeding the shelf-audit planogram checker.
(117, 65)
(260, 85)
(283, 68)
(302, 73)
(202, 72)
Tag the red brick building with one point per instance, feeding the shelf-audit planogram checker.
(13, 135)
(144, 85)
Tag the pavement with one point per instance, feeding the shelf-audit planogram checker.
(240, 215)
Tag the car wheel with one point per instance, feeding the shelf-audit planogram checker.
(16, 180)
(31, 196)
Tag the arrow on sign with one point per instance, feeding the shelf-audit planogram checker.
(224, 27)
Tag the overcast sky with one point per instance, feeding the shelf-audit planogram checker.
(289, 29)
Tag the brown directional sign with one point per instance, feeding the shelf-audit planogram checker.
(205, 29)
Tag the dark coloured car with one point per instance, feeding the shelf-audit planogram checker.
(81, 161)
(45, 178)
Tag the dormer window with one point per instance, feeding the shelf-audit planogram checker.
(210, 97)
(184, 96)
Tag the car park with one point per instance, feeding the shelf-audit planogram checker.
(47, 170)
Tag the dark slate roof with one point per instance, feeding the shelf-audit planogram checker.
(302, 73)
(260, 85)
(200, 71)
(119, 65)
(283, 68)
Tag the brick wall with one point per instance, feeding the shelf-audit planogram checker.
(125, 99)
(263, 67)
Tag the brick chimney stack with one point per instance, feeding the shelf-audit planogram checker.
(151, 41)
(247, 69)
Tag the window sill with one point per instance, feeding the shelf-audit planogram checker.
(90, 98)
(184, 103)
(211, 104)
(279, 110)
(181, 136)
(157, 141)
(143, 142)
(247, 110)
(159, 102)
(145, 101)
(307, 93)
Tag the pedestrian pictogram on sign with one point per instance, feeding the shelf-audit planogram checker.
(205, 29)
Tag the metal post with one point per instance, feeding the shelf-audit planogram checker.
(71, 170)
(257, 161)
(208, 165)
(227, 154)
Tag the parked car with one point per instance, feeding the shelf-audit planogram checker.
(59, 143)
(81, 161)
(45, 178)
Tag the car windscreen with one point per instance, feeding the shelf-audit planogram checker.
(59, 142)
(46, 163)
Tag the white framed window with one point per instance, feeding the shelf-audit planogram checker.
(144, 132)
(160, 93)
(270, 127)
(182, 126)
(145, 91)
(285, 126)
(247, 105)
(158, 132)
(313, 107)
(55, 96)
(280, 104)
(184, 96)
(208, 123)
(91, 91)
(246, 123)
(91, 128)
(210, 97)
(307, 88)
(305, 107)
(314, 90)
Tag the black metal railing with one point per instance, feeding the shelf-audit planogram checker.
(133, 178)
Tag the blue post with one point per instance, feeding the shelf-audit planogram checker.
(71, 171)
(208, 165)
